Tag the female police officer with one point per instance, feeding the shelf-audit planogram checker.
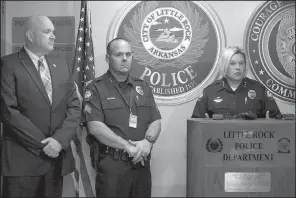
(234, 94)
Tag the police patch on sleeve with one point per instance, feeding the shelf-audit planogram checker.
(87, 95)
(87, 109)
(139, 90)
(269, 94)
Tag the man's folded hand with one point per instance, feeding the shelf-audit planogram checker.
(52, 148)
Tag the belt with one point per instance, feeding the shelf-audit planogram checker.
(117, 154)
(122, 155)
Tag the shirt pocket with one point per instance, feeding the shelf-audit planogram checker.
(114, 110)
(112, 104)
(217, 106)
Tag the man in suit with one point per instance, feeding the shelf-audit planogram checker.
(40, 112)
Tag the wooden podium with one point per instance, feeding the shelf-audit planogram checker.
(240, 158)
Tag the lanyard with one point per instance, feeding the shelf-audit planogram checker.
(129, 105)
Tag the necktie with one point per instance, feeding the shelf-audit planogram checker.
(45, 77)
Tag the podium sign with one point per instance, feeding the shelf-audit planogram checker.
(240, 158)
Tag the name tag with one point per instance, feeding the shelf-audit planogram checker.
(133, 121)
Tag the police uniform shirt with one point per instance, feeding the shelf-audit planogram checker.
(221, 99)
(104, 103)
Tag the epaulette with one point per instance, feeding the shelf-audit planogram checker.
(136, 79)
(216, 82)
(140, 80)
(251, 80)
(99, 78)
(216, 85)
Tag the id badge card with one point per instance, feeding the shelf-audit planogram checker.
(133, 121)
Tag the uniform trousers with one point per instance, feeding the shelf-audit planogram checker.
(117, 178)
(48, 185)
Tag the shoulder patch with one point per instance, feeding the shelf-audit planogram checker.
(139, 90)
(87, 95)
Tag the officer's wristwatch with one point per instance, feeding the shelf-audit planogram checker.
(150, 139)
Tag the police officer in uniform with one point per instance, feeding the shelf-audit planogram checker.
(235, 94)
(121, 114)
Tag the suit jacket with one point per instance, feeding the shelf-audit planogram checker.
(28, 117)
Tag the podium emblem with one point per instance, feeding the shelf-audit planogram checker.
(214, 145)
(284, 145)
(269, 41)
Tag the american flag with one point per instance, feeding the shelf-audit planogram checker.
(83, 72)
(84, 66)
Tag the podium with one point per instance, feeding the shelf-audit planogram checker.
(240, 158)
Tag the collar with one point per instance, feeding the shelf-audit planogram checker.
(223, 84)
(120, 84)
(33, 56)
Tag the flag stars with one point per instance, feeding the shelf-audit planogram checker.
(84, 56)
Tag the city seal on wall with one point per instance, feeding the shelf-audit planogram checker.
(175, 46)
(270, 43)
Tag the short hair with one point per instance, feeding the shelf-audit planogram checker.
(226, 56)
(108, 49)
